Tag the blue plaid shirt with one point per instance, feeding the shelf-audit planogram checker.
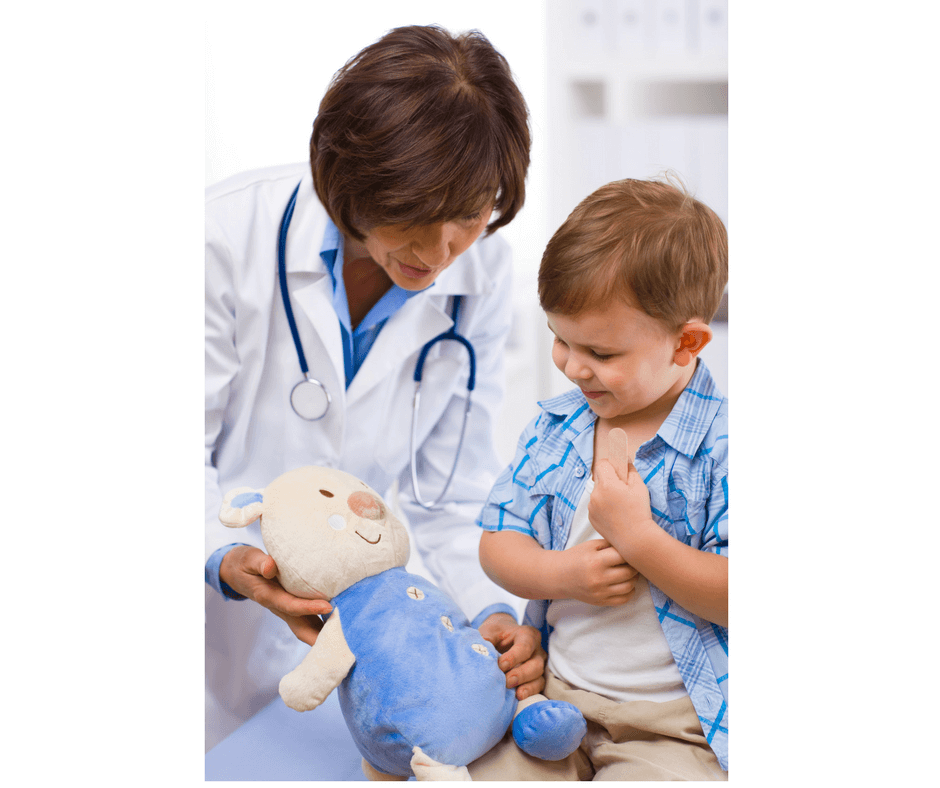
(685, 469)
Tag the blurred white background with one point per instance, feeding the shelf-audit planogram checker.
(615, 88)
(833, 162)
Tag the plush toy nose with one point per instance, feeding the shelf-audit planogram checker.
(365, 505)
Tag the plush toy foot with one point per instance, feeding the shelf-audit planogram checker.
(548, 729)
(426, 768)
(374, 775)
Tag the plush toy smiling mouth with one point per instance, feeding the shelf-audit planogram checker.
(363, 538)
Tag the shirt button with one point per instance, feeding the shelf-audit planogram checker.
(579, 471)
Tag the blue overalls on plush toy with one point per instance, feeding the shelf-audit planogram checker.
(419, 687)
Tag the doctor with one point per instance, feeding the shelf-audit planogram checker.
(418, 153)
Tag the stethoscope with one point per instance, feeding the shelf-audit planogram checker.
(310, 399)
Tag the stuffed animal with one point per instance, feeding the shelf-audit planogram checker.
(420, 688)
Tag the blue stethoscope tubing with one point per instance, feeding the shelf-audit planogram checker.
(319, 390)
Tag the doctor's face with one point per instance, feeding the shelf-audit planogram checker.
(414, 256)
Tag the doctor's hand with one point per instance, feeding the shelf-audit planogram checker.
(253, 573)
(523, 659)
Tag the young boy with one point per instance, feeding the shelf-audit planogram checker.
(628, 572)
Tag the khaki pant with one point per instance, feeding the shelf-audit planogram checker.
(639, 740)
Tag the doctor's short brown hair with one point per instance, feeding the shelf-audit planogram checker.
(648, 243)
(421, 127)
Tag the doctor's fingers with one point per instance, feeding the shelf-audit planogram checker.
(305, 628)
(271, 594)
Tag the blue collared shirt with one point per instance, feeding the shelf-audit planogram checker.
(685, 469)
(356, 343)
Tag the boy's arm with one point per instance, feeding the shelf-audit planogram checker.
(591, 572)
(620, 512)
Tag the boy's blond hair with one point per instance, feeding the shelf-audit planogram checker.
(647, 242)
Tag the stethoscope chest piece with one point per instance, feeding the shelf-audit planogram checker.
(310, 399)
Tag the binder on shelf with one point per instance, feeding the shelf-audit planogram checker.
(637, 145)
(710, 151)
(586, 26)
(713, 27)
(632, 25)
(672, 149)
(671, 27)
(596, 159)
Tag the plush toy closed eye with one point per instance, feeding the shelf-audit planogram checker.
(419, 687)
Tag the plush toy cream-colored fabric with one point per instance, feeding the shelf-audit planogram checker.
(419, 687)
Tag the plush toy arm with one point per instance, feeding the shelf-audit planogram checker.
(321, 671)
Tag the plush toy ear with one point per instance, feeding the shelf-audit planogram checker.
(241, 507)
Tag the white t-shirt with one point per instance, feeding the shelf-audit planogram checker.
(618, 652)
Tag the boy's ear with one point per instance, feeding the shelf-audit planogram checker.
(694, 336)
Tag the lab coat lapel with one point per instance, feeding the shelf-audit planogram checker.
(316, 301)
(406, 332)
(311, 289)
(422, 318)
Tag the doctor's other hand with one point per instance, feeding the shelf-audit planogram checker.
(523, 659)
(253, 573)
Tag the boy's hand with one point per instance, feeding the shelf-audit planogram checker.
(595, 573)
(620, 507)
(522, 660)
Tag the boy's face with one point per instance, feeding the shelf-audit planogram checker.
(621, 358)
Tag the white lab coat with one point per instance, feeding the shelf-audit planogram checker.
(253, 435)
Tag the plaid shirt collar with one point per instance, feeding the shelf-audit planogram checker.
(684, 428)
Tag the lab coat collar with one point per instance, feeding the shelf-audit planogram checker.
(307, 227)
(417, 322)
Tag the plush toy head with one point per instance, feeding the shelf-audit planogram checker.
(311, 513)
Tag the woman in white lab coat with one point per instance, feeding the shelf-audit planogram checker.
(419, 151)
